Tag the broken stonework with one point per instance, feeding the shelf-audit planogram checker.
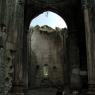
(6, 66)
(47, 61)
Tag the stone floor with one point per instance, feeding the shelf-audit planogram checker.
(42, 91)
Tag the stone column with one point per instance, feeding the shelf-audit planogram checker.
(18, 42)
(89, 47)
(26, 56)
(66, 66)
(73, 60)
(5, 74)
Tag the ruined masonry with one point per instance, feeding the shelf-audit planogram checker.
(45, 59)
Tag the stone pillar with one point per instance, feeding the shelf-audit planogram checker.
(18, 30)
(26, 57)
(74, 60)
(89, 47)
(2, 60)
(66, 66)
(5, 55)
(6, 58)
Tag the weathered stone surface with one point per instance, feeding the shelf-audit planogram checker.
(14, 49)
(6, 69)
(90, 28)
(46, 49)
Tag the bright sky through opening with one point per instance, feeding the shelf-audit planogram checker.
(49, 18)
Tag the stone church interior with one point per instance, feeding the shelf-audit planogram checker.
(44, 61)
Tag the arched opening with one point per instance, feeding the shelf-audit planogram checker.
(75, 46)
(50, 19)
(47, 51)
(38, 69)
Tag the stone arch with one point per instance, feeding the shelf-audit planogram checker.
(66, 11)
(71, 12)
(29, 34)
(78, 14)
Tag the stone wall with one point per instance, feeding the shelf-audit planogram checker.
(10, 21)
(6, 57)
(47, 52)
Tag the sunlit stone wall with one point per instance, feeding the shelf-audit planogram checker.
(46, 66)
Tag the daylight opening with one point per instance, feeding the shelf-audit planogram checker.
(49, 18)
(47, 36)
